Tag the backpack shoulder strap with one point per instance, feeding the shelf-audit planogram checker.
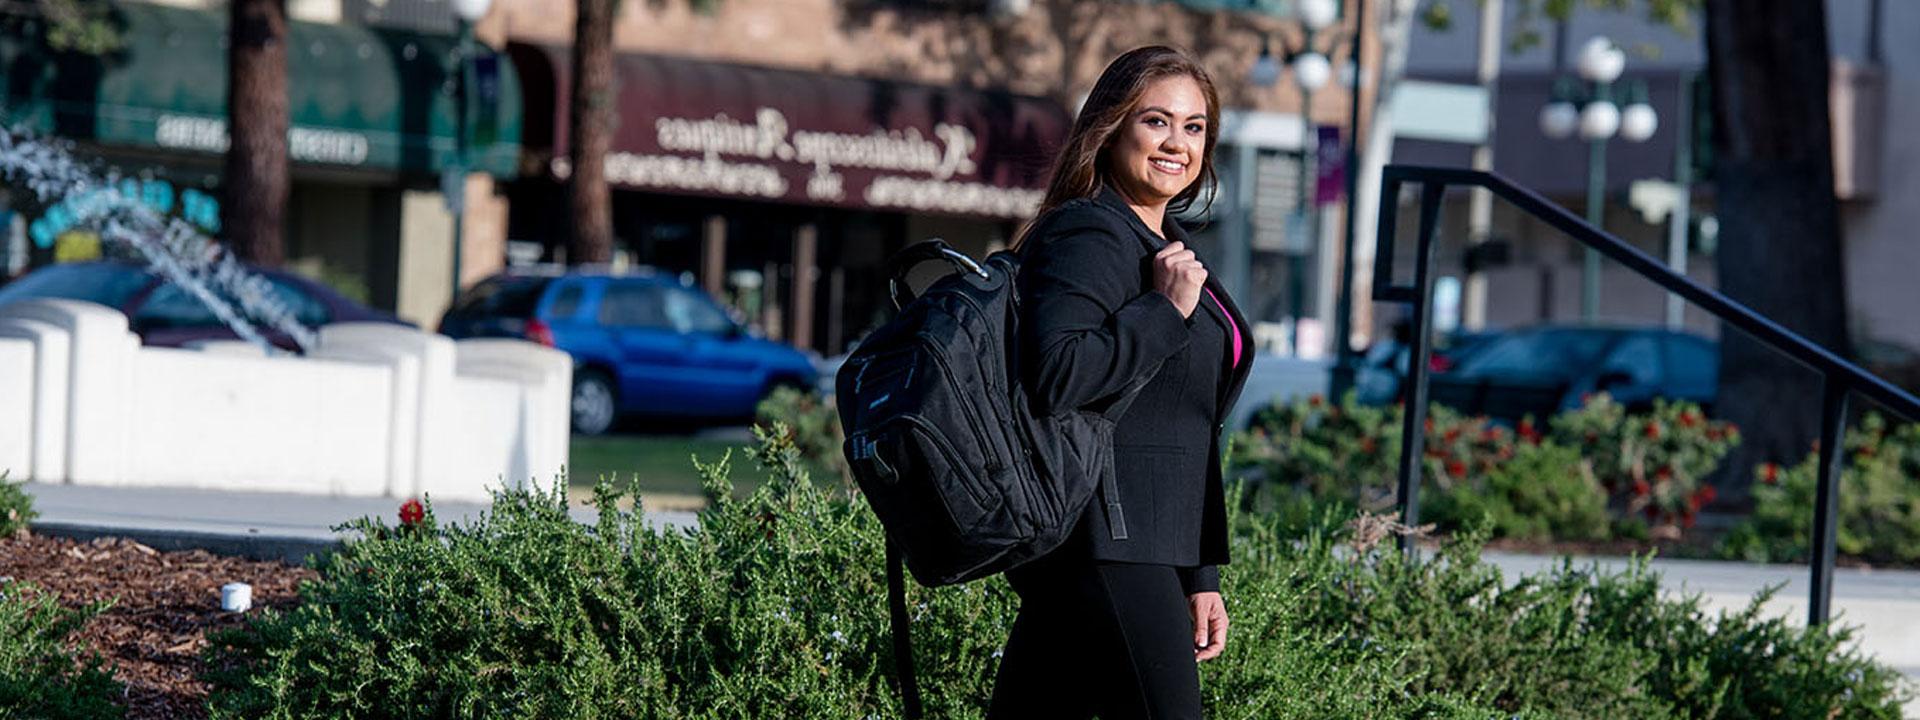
(902, 634)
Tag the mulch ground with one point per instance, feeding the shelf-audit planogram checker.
(165, 604)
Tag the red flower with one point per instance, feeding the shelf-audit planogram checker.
(1664, 473)
(1653, 430)
(412, 513)
(1453, 433)
(1316, 400)
(1693, 504)
(1713, 433)
(1528, 432)
(1770, 473)
(1641, 488)
(1866, 451)
(1456, 468)
(1686, 519)
(1489, 435)
(1690, 418)
(1592, 437)
(1706, 493)
(1428, 426)
(1367, 446)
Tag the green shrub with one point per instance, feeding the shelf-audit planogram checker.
(1650, 465)
(1472, 469)
(16, 508)
(1543, 492)
(1879, 502)
(40, 675)
(774, 605)
(814, 425)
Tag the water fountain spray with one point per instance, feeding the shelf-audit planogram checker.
(171, 247)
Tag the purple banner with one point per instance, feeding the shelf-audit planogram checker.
(1330, 181)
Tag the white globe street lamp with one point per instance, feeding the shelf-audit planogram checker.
(1599, 120)
(1638, 122)
(471, 10)
(1318, 14)
(1601, 62)
(1559, 119)
(1312, 71)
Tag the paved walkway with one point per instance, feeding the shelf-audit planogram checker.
(1885, 604)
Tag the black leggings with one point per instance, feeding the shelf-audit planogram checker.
(1097, 638)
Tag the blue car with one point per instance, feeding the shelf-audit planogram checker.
(643, 344)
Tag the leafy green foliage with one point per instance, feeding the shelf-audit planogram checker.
(16, 508)
(40, 676)
(814, 424)
(1600, 468)
(1879, 501)
(1650, 465)
(776, 600)
(1529, 15)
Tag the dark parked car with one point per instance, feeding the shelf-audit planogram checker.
(165, 315)
(1542, 371)
(642, 344)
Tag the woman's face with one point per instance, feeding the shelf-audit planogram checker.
(1161, 149)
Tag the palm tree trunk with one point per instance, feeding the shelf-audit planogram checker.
(256, 183)
(1780, 251)
(591, 131)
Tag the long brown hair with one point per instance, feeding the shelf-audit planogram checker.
(1082, 166)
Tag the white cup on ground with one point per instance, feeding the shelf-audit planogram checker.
(236, 597)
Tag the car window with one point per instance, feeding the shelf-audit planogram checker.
(306, 308)
(109, 284)
(1537, 356)
(171, 306)
(692, 312)
(566, 301)
(634, 305)
(1638, 358)
(502, 296)
(1693, 364)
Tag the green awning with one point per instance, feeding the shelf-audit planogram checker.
(359, 97)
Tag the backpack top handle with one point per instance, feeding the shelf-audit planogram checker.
(903, 262)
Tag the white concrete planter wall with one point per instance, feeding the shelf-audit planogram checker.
(374, 410)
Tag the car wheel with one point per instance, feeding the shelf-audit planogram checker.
(594, 403)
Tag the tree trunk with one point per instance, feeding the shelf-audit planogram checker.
(256, 182)
(1780, 249)
(591, 132)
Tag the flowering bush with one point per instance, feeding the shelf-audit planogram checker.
(1879, 502)
(775, 606)
(1651, 466)
(1593, 469)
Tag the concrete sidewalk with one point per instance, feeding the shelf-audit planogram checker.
(280, 526)
(1884, 604)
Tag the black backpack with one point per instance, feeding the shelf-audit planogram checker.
(940, 438)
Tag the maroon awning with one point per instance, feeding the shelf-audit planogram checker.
(705, 128)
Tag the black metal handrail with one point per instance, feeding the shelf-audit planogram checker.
(1839, 378)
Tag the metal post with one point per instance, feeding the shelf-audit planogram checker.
(1596, 215)
(1826, 500)
(458, 185)
(1682, 218)
(1413, 427)
(1297, 261)
(1344, 357)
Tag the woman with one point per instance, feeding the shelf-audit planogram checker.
(1115, 621)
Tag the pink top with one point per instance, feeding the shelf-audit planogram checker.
(1233, 328)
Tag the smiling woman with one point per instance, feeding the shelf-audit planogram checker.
(1117, 309)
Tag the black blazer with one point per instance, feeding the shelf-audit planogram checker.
(1091, 326)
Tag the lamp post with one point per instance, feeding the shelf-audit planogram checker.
(1311, 71)
(453, 181)
(1587, 107)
